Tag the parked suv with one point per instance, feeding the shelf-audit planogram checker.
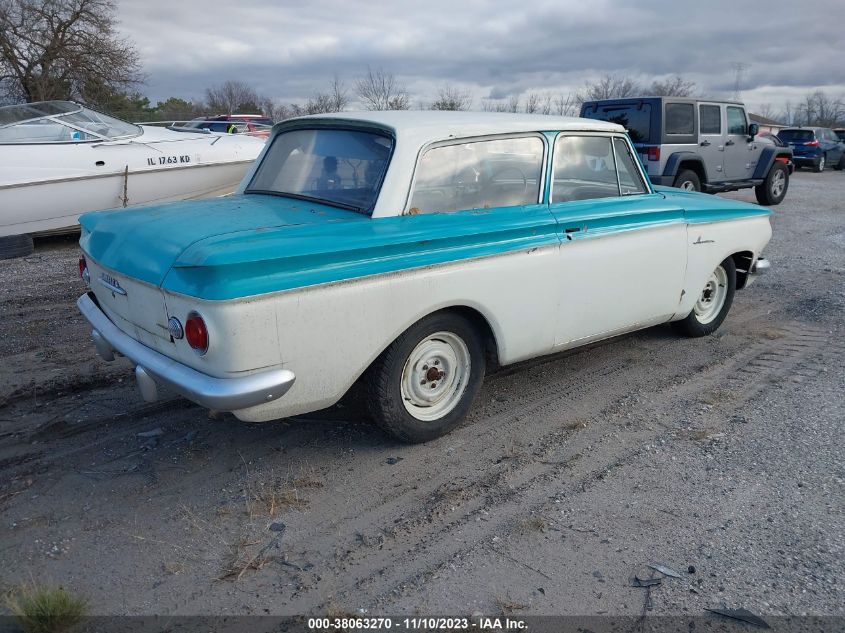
(815, 147)
(699, 145)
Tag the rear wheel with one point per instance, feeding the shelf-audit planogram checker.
(819, 167)
(713, 303)
(13, 246)
(423, 385)
(687, 180)
(772, 190)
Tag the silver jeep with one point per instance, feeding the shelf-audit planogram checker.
(699, 145)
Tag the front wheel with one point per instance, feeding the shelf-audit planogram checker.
(841, 164)
(819, 168)
(688, 181)
(713, 303)
(423, 385)
(772, 190)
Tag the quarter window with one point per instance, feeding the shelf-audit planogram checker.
(479, 175)
(710, 119)
(736, 121)
(679, 118)
(630, 181)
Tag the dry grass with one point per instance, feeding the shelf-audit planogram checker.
(576, 424)
(271, 494)
(46, 609)
(242, 561)
(173, 568)
(534, 524)
(508, 606)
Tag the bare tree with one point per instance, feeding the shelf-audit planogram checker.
(767, 111)
(451, 98)
(532, 103)
(338, 95)
(566, 105)
(232, 96)
(675, 86)
(63, 49)
(821, 110)
(610, 87)
(493, 105)
(380, 90)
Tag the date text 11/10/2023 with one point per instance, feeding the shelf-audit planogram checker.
(417, 623)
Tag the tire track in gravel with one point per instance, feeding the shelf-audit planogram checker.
(798, 356)
(413, 544)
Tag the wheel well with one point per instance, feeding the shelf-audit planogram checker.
(743, 261)
(488, 339)
(694, 166)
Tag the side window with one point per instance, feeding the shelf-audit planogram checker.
(709, 119)
(736, 121)
(630, 181)
(584, 168)
(479, 175)
(680, 118)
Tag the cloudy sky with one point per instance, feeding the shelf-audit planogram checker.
(493, 49)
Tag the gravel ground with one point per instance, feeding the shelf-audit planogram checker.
(721, 458)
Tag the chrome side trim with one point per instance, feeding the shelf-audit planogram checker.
(221, 394)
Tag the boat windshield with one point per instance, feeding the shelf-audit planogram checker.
(340, 167)
(60, 122)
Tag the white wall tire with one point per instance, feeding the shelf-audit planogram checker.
(423, 385)
(713, 302)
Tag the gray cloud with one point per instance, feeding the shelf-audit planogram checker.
(495, 48)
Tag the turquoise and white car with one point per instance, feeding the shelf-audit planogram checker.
(405, 254)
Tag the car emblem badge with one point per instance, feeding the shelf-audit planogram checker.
(175, 328)
(112, 284)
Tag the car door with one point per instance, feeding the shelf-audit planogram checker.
(482, 199)
(623, 250)
(711, 139)
(832, 146)
(740, 155)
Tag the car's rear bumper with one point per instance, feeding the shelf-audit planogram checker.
(222, 394)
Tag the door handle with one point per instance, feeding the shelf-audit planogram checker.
(573, 229)
(729, 142)
(705, 143)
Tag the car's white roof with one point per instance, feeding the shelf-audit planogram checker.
(426, 126)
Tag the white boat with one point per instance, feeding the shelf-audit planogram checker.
(59, 159)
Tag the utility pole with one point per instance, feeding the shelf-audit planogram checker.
(739, 69)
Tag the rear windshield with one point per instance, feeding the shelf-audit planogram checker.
(634, 117)
(340, 167)
(796, 135)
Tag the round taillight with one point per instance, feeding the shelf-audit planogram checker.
(196, 333)
(84, 275)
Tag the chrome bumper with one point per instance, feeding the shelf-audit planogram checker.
(760, 267)
(221, 394)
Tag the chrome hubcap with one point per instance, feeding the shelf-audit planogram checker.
(435, 376)
(688, 186)
(778, 183)
(713, 296)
